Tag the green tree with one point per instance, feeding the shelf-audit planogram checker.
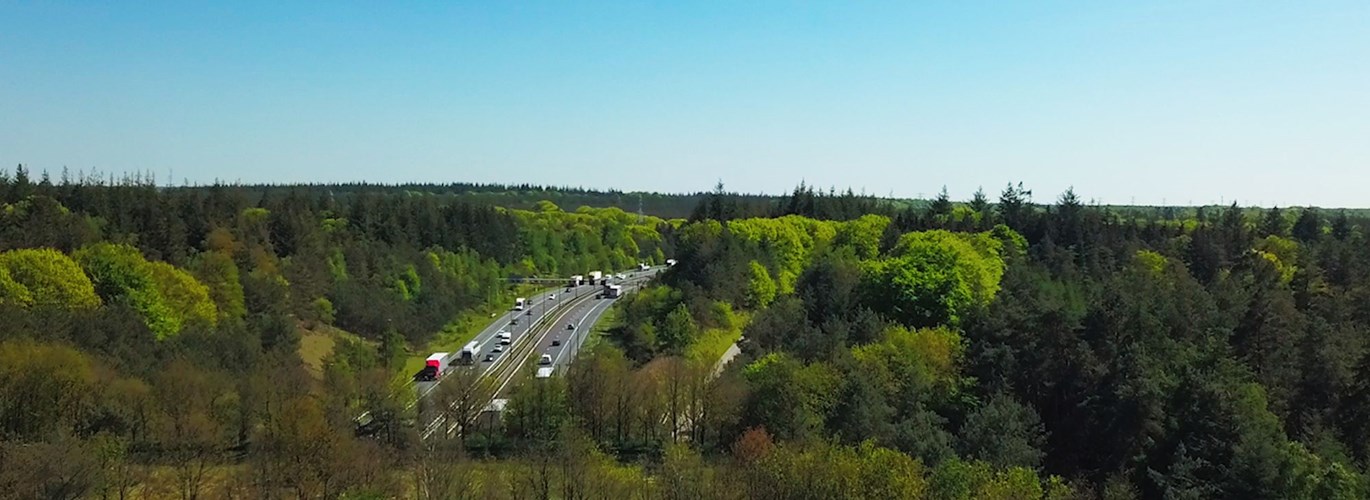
(934, 278)
(46, 278)
(120, 274)
(220, 275)
(187, 298)
(43, 388)
(678, 330)
(760, 288)
(1004, 433)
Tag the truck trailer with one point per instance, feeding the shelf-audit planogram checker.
(433, 367)
(470, 353)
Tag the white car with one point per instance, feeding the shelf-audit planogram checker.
(545, 360)
(551, 296)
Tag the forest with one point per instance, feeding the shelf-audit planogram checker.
(151, 346)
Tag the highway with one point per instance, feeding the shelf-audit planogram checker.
(547, 319)
(582, 316)
(516, 323)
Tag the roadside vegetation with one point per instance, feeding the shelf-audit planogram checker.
(150, 344)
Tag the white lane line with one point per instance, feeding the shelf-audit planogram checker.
(514, 374)
(578, 331)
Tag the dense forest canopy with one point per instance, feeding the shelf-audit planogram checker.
(151, 344)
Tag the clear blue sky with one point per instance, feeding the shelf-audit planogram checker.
(1264, 102)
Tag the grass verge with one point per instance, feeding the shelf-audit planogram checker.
(713, 342)
(600, 333)
(466, 326)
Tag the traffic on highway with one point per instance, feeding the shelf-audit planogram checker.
(546, 330)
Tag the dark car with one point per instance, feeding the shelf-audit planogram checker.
(489, 358)
(556, 342)
(570, 326)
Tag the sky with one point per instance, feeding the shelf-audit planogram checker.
(1158, 102)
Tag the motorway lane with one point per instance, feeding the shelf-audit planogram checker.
(537, 307)
(584, 317)
(584, 314)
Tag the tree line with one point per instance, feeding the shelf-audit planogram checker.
(1130, 353)
(151, 337)
(150, 345)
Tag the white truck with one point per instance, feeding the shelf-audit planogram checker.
(576, 281)
(505, 338)
(470, 353)
(595, 277)
(613, 291)
(520, 303)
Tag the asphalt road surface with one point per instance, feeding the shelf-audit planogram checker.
(517, 324)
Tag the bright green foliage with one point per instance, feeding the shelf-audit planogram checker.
(1283, 253)
(187, 298)
(921, 364)
(334, 225)
(563, 243)
(255, 215)
(323, 310)
(219, 274)
(786, 242)
(863, 234)
(120, 274)
(411, 279)
(401, 287)
(964, 216)
(337, 265)
(887, 473)
(934, 277)
(961, 480)
(11, 292)
(1151, 261)
(44, 277)
(761, 288)
(821, 470)
(1056, 488)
